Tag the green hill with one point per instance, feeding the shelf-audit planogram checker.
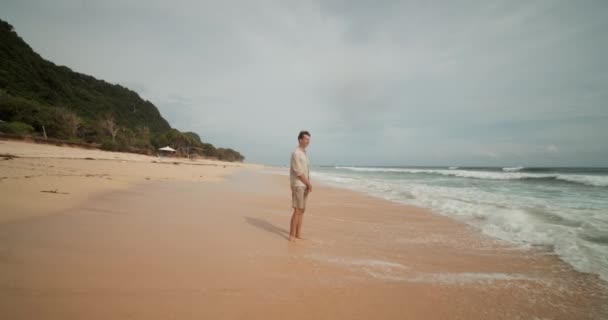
(38, 97)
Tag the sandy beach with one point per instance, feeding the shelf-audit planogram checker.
(38, 179)
(137, 237)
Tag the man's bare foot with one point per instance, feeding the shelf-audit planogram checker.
(300, 238)
(292, 239)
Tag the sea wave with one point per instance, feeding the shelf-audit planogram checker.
(512, 169)
(576, 233)
(590, 180)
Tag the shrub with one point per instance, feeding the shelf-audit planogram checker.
(16, 127)
(109, 145)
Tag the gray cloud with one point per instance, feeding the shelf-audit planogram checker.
(389, 83)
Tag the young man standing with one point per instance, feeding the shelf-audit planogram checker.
(299, 178)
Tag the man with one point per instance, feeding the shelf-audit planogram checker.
(299, 178)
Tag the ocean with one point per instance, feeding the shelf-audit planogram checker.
(562, 209)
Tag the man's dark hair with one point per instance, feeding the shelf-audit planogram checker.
(302, 134)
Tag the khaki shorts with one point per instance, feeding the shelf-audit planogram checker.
(298, 197)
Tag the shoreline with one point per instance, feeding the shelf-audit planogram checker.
(531, 221)
(186, 249)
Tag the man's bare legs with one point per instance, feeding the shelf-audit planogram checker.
(299, 226)
(296, 224)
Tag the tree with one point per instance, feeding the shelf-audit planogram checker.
(109, 124)
(71, 122)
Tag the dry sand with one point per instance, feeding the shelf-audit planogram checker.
(180, 248)
(43, 179)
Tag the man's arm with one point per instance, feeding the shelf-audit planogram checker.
(306, 181)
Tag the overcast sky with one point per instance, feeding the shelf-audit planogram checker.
(375, 82)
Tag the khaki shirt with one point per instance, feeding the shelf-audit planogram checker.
(299, 166)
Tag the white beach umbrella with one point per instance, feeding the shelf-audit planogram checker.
(167, 148)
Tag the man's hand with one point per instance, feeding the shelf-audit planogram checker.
(306, 182)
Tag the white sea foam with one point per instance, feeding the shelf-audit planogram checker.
(453, 278)
(373, 263)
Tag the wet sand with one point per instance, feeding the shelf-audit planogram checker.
(219, 250)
